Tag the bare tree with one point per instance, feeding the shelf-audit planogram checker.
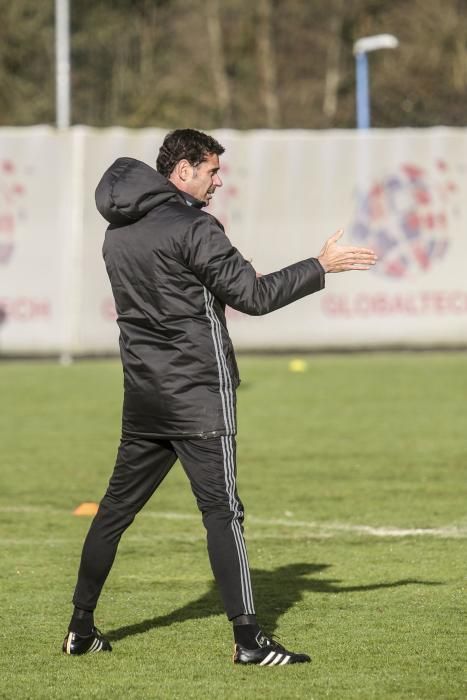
(237, 63)
(267, 63)
(333, 54)
(216, 44)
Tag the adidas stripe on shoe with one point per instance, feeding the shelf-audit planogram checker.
(75, 645)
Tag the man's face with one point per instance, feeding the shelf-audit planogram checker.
(204, 179)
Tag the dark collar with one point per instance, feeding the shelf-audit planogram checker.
(192, 201)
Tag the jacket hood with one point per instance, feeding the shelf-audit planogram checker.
(129, 189)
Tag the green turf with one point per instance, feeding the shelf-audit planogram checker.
(362, 440)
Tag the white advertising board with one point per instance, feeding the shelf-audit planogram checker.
(401, 192)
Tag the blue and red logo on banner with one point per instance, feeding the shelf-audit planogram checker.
(404, 217)
(12, 192)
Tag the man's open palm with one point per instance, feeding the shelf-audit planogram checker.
(337, 258)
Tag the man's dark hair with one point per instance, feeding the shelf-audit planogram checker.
(190, 144)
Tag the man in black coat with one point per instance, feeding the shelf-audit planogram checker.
(173, 270)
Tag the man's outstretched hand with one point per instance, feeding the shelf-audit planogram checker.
(337, 258)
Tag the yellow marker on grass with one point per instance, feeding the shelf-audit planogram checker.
(297, 365)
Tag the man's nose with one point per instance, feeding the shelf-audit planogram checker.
(217, 181)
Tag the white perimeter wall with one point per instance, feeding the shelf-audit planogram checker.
(402, 192)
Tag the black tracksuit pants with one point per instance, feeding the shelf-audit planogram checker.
(140, 467)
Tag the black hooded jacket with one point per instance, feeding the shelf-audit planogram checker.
(172, 271)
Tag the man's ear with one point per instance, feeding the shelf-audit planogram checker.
(183, 170)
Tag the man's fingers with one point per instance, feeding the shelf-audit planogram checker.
(353, 249)
(335, 237)
(365, 257)
(356, 258)
(354, 266)
(360, 256)
(356, 261)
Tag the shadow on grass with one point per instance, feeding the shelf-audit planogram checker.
(281, 588)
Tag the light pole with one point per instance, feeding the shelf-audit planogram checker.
(361, 48)
(62, 63)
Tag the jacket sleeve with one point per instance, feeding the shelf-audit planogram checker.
(232, 279)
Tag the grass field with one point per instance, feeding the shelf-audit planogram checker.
(353, 476)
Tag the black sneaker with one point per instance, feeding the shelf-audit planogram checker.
(268, 653)
(75, 645)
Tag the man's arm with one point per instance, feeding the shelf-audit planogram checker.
(233, 280)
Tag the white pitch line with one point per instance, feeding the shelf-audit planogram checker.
(451, 531)
(375, 531)
(313, 528)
